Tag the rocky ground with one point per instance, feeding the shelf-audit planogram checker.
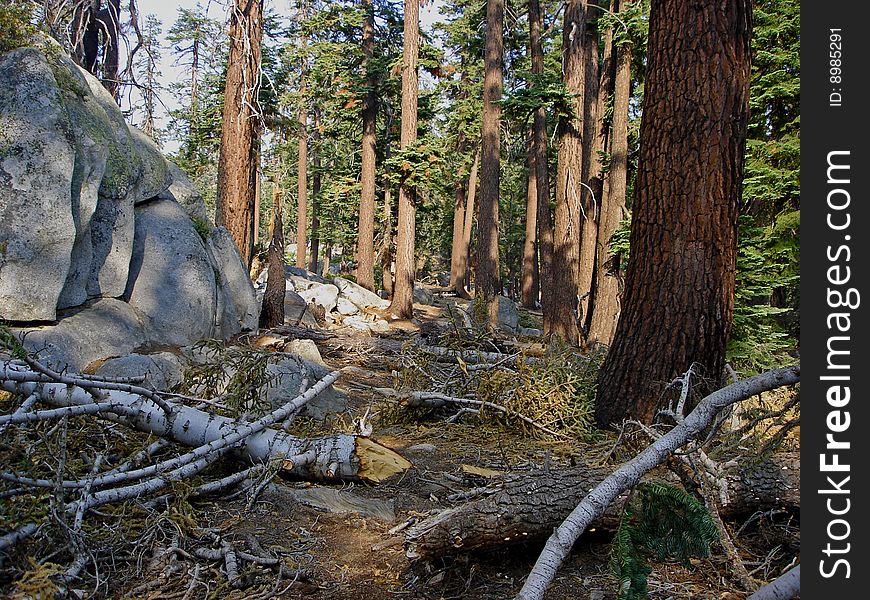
(344, 541)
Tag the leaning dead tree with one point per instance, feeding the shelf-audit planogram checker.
(594, 504)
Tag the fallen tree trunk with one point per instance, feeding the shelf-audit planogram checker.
(559, 544)
(529, 506)
(335, 457)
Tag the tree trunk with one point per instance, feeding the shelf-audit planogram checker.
(606, 311)
(327, 255)
(240, 128)
(86, 39)
(487, 277)
(315, 196)
(529, 287)
(111, 22)
(469, 220)
(563, 310)
(679, 291)
(387, 250)
(402, 305)
(272, 313)
(458, 253)
(590, 201)
(365, 267)
(527, 507)
(302, 188)
(542, 170)
(333, 457)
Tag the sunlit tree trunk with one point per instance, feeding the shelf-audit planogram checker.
(590, 202)
(240, 127)
(542, 171)
(529, 286)
(563, 311)
(679, 289)
(315, 195)
(402, 305)
(487, 276)
(365, 267)
(606, 310)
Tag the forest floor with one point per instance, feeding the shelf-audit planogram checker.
(354, 556)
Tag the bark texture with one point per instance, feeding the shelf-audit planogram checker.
(679, 294)
(272, 313)
(402, 305)
(365, 245)
(559, 544)
(527, 507)
(240, 127)
(487, 280)
(529, 287)
(606, 304)
(542, 171)
(563, 316)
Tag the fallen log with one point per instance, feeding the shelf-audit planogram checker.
(559, 544)
(335, 457)
(527, 507)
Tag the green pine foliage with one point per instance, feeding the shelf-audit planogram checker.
(659, 522)
(766, 324)
(16, 28)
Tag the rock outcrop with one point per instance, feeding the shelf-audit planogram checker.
(105, 246)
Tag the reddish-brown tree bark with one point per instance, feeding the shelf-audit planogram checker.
(590, 202)
(272, 313)
(487, 278)
(542, 171)
(563, 321)
(365, 245)
(402, 305)
(240, 127)
(679, 290)
(529, 284)
(606, 305)
(458, 248)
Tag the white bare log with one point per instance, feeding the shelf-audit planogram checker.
(785, 587)
(198, 429)
(16, 535)
(559, 544)
(19, 417)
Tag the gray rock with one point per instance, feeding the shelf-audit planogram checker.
(508, 314)
(172, 282)
(423, 296)
(37, 229)
(106, 328)
(304, 274)
(156, 177)
(296, 310)
(286, 382)
(163, 370)
(324, 295)
(357, 294)
(360, 323)
(185, 193)
(346, 307)
(306, 349)
(443, 279)
(237, 307)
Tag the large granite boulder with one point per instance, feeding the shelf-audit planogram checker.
(102, 240)
(104, 328)
(37, 158)
(237, 306)
(172, 281)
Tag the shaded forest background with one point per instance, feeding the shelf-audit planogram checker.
(324, 74)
